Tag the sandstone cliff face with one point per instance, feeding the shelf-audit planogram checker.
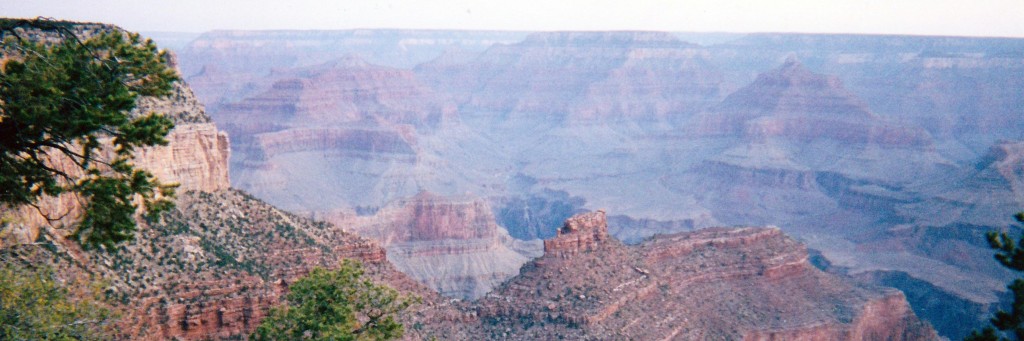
(732, 283)
(196, 156)
(450, 244)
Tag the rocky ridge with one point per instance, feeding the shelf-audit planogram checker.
(729, 283)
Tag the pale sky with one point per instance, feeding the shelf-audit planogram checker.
(1004, 18)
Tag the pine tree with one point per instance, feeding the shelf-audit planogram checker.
(335, 305)
(1010, 255)
(65, 124)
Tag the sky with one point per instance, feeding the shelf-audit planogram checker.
(999, 18)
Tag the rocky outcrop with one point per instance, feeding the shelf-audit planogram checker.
(346, 119)
(732, 283)
(581, 233)
(450, 244)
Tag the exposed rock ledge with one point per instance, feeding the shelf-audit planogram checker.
(720, 283)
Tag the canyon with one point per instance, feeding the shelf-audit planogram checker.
(475, 170)
(889, 156)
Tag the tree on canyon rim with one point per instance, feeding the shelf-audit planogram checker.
(1010, 255)
(66, 127)
(336, 305)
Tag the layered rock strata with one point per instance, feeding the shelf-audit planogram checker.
(195, 157)
(729, 283)
(584, 232)
(450, 244)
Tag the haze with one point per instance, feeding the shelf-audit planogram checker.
(1001, 18)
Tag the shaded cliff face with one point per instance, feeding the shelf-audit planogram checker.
(732, 283)
(450, 244)
(195, 158)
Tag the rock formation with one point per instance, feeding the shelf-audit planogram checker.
(730, 283)
(450, 244)
(583, 232)
(221, 65)
(344, 118)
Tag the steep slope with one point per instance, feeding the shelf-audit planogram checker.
(213, 267)
(720, 283)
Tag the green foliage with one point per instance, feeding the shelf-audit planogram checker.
(1010, 255)
(336, 305)
(60, 104)
(33, 306)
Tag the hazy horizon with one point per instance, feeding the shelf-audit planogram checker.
(985, 18)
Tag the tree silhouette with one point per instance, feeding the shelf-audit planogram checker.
(1010, 255)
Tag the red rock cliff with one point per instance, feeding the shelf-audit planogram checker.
(718, 283)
